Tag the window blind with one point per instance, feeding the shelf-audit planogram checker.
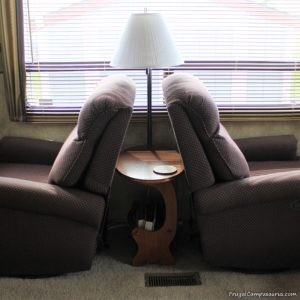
(247, 52)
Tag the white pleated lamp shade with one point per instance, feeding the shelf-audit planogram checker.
(146, 43)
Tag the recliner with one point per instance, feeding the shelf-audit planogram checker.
(51, 212)
(244, 221)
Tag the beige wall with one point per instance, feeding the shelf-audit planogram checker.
(3, 110)
(262, 128)
(44, 131)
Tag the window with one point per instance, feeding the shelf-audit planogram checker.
(247, 52)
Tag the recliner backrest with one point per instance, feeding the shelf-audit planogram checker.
(225, 158)
(197, 167)
(90, 152)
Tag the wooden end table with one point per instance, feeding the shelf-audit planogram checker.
(153, 246)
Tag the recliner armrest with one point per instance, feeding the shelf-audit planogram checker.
(28, 150)
(269, 148)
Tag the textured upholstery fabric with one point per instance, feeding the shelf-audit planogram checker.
(46, 229)
(49, 229)
(249, 191)
(274, 148)
(33, 172)
(270, 167)
(251, 223)
(244, 222)
(263, 236)
(37, 244)
(28, 150)
(226, 159)
(47, 199)
(197, 168)
(114, 93)
(106, 154)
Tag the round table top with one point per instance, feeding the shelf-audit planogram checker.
(138, 165)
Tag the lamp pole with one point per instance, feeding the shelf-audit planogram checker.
(149, 107)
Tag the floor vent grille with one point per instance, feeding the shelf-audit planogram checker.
(172, 279)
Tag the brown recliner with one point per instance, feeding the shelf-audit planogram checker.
(51, 211)
(248, 218)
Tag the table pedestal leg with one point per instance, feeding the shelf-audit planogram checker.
(154, 246)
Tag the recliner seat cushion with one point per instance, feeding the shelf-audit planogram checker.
(226, 159)
(113, 94)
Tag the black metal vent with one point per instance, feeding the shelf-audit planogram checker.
(172, 279)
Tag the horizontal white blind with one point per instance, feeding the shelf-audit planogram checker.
(247, 52)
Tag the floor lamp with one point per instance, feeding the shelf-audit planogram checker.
(146, 44)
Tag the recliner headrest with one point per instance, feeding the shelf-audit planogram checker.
(111, 94)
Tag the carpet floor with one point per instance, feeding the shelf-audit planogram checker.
(112, 277)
